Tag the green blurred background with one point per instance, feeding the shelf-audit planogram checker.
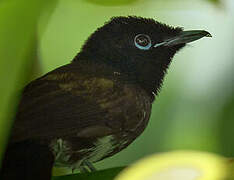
(195, 109)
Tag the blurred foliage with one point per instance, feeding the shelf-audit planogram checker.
(18, 42)
(215, 1)
(227, 128)
(126, 2)
(193, 111)
(111, 2)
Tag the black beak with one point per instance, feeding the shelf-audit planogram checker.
(184, 37)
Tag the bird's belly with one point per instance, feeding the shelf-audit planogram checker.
(73, 152)
(103, 147)
(67, 156)
(126, 121)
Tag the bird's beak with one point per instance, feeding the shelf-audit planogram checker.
(184, 37)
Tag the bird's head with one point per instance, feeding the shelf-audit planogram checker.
(141, 48)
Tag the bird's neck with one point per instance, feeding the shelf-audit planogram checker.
(148, 82)
(151, 77)
(100, 69)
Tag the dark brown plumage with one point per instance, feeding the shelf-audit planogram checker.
(98, 104)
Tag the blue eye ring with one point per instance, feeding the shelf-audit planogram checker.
(142, 41)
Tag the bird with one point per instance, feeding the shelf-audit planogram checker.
(96, 105)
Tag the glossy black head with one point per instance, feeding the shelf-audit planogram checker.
(140, 47)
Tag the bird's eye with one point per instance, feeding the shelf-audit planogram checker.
(142, 41)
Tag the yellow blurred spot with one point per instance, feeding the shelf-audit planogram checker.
(178, 165)
(188, 173)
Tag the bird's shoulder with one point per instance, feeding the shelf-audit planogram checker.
(89, 81)
(76, 79)
(74, 98)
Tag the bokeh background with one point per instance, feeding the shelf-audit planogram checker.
(195, 109)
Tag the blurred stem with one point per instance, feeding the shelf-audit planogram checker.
(107, 174)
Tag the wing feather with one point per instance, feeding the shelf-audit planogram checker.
(61, 103)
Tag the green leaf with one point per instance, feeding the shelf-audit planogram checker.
(107, 174)
(18, 42)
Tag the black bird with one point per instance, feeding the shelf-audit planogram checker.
(96, 105)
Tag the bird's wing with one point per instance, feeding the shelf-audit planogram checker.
(61, 104)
